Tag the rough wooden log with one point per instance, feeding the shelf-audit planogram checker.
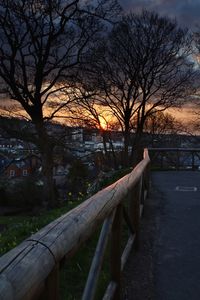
(24, 269)
(24, 273)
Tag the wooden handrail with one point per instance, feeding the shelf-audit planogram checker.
(27, 269)
(175, 158)
(174, 149)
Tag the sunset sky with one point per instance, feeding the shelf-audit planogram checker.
(187, 14)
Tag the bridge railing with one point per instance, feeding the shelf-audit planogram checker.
(31, 270)
(175, 158)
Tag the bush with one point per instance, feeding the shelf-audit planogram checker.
(21, 193)
(78, 173)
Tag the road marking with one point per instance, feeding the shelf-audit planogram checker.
(186, 188)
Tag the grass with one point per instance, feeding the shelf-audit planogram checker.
(74, 272)
(17, 228)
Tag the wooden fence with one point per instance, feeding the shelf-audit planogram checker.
(175, 158)
(31, 270)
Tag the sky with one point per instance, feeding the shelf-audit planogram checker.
(186, 12)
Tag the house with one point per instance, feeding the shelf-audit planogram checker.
(15, 169)
(20, 167)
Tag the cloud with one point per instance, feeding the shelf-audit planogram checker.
(185, 11)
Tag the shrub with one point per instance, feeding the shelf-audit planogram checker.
(22, 192)
(77, 176)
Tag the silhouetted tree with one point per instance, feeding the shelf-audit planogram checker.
(87, 113)
(160, 123)
(145, 68)
(194, 123)
(42, 44)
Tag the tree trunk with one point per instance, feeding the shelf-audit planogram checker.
(115, 164)
(47, 171)
(126, 145)
(46, 150)
(110, 157)
(137, 149)
(106, 153)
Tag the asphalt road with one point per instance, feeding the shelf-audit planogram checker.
(177, 245)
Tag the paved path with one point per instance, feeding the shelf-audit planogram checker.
(167, 267)
(177, 245)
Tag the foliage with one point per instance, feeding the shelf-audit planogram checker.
(77, 176)
(105, 179)
(18, 228)
(21, 193)
(114, 176)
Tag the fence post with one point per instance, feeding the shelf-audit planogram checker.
(115, 255)
(162, 159)
(52, 285)
(177, 160)
(193, 168)
(147, 178)
(135, 211)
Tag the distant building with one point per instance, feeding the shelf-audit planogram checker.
(77, 134)
(97, 138)
(20, 167)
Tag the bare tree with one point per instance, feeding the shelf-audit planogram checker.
(194, 124)
(42, 44)
(87, 113)
(145, 68)
(161, 123)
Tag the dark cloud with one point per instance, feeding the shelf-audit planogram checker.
(186, 12)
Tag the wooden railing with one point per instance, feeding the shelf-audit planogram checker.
(31, 270)
(175, 158)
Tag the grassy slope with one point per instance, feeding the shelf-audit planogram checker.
(74, 273)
